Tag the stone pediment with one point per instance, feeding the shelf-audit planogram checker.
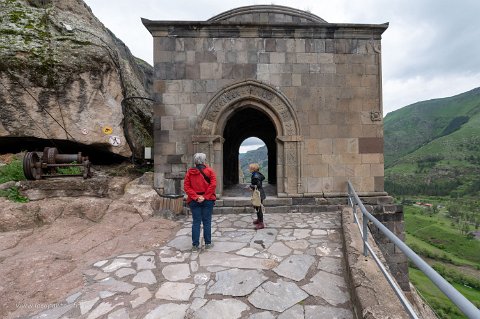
(267, 14)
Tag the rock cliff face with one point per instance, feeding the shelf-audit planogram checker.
(63, 77)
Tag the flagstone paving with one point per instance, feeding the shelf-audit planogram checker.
(294, 268)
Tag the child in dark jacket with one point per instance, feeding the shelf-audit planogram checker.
(256, 182)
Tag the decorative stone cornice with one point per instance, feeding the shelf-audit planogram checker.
(208, 29)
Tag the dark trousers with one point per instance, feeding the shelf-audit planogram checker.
(201, 213)
(259, 212)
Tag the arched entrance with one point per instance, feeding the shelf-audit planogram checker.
(244, 123)
(227, 120)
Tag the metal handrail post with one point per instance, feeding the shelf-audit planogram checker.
(365, 234)
(454, 295)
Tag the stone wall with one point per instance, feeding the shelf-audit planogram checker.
(329, 73)
(391, 216)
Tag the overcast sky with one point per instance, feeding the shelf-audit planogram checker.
(430, 50)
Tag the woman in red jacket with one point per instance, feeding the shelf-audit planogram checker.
(199, 185)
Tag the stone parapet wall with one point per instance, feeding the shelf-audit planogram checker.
(391, 216)
(372, 296)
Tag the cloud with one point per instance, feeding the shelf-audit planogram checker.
(252, 141)
(404, 92)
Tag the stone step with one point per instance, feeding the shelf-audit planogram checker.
(242, 205)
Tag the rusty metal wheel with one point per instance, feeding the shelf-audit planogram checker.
(29, 169)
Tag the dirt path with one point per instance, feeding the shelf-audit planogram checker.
(40, 266)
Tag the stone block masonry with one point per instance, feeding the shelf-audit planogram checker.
(318, 83)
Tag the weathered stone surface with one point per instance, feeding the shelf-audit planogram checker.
(143, 295)
(175, 291)
(81, 85)
(297, 244)
(248, 251)
(314, 312)
(225, 309)
(226, 247)
(227, 260)
(72, 187)
(101, 309)
(262, 315)
(328, 286)
(54, 313)
(122, 272)
(296, 312)
(264, 238)
(119, 314)
(116, 264)
(236, 282)
(145, 277)
(115, 285)
(176, 272)
(295, 267)
(15, 216)
(145, 262)
(201, 279)
(277, 296)
(168, 311)
(181, 243)
(85, 306)
(279, 249)
(331, 265)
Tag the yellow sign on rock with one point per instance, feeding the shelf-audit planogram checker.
(107, 130)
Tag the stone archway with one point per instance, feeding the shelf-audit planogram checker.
(246, 122)
(253, 96)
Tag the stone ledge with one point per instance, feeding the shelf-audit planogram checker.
(371, 294)
(247, 209)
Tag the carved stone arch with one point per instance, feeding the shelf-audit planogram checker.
(209, 130)
(274, 101)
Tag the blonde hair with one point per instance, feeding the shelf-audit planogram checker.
(254, 167)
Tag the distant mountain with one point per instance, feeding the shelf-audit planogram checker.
(259, 156)
(433, 147)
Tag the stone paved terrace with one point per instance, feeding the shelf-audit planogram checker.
(292, 269)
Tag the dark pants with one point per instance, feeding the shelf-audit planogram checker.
(201, 213)
(259, 212)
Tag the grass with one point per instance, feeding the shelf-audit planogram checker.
(442, 236)
(427, 250)
(444, 308)
(436, 238)
(13, 194)
(69, 170)
(12, 172)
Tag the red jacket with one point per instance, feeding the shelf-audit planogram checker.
(196, 185)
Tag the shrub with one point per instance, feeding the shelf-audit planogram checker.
(12, 172)
(13, 194)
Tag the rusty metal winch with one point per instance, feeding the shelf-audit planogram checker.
(38, 165)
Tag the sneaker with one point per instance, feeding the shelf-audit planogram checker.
(208, 246)
(256, 221)
(195, 248)
(260, 225)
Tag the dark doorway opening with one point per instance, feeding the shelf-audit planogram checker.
(244, 123)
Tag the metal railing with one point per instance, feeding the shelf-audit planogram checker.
(456, 297)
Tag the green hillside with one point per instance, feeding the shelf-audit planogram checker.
(433, 147)
(259, 156)
(415, 125)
